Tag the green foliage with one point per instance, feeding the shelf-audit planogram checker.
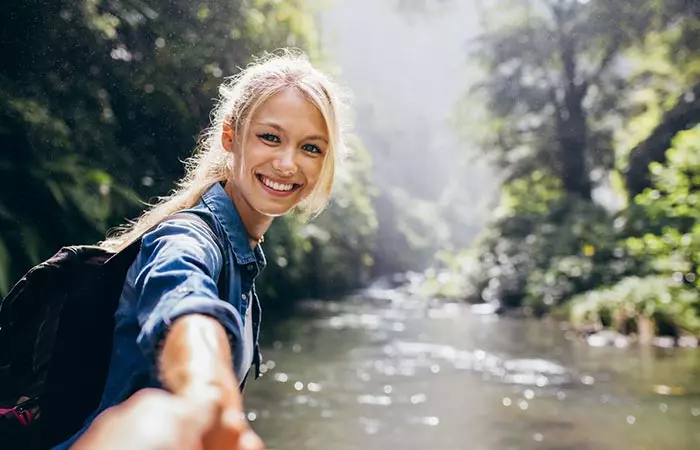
(662, 99)
(451, 282)
(676, 182)
(659, 298)
(670, 207)
(547, 84)
(539, 260)
(569, 89)
(443, 285)
(102, 100)
(547, 248)
(668, 253)
(552, 86)
(531, 196)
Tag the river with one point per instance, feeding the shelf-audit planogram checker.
(389, 371)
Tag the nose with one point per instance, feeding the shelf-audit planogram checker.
(285, 162)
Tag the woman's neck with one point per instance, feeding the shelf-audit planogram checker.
(255, 224)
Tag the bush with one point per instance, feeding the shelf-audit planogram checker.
(668, 254)
(671, 208)
(540, 257)
(672, 308)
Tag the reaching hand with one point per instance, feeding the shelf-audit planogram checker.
(153, 419)
(230, 429)
(195, 364)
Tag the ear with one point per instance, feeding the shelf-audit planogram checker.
(227, 136)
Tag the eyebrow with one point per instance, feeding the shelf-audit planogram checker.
(314, 137)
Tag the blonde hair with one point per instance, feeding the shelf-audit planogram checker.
(240, 96)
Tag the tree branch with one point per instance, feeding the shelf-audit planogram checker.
(610, 54)
(681, 117)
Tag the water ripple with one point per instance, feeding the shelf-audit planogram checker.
(407, 357)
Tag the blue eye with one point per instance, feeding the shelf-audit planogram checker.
(269, 137)
(311, 148)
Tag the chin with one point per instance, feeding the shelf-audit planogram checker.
(277, 207)
(274, 210)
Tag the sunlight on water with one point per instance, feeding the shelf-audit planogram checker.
(536, 372)
(380, 400)
(395, 371)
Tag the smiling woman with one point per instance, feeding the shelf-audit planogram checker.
(280, 160)
(189, 317)
(281, 101)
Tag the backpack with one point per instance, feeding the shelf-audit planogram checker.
(56, 333)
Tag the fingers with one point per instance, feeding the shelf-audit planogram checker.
(237, 424)
(250, 441)
(172, 422)
(234, 419)
(154, 419)
(220, 419)
(232, 432)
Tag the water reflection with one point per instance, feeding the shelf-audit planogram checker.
(397, 371)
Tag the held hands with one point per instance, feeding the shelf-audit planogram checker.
(229, 429)
(204, 411)
(151, 419)
(195, 365)
(156, 420)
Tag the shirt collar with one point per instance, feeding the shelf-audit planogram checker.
(226, 213)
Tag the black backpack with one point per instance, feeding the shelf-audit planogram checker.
(56, 332)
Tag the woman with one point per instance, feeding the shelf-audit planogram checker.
(272, 148)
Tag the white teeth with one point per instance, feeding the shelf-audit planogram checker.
(276, 186)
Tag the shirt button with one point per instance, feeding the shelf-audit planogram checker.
(243, 296)
(250, 268)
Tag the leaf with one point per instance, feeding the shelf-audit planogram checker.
(31, 242)
(57, 193)
(4, 269)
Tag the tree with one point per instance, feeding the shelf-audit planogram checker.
(669, 67)
(569, 87)
(554, 74)
(684, 115)
(101, 100)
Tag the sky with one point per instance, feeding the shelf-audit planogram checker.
(407, 69)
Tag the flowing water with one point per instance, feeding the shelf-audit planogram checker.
(388, 371)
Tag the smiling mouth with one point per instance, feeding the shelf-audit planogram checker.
(282, 188)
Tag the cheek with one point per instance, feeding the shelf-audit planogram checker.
(249, 156)
(313, 171)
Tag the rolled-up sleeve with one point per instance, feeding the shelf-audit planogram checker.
(179, 265)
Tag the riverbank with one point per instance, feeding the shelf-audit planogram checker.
(635, 311)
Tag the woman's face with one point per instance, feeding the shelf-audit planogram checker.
(281, 160)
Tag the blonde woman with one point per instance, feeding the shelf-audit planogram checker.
(272, 148)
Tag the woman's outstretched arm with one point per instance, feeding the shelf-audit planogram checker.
(195, 363)
(196, 358)
(191, 334)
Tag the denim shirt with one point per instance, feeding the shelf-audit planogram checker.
(175, 274)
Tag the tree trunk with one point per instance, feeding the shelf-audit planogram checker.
(572, 136)
(646, 329)
(572, 129)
